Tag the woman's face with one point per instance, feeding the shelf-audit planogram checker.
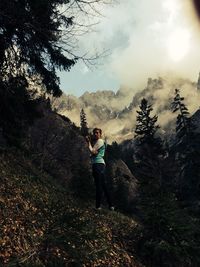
(97, 134)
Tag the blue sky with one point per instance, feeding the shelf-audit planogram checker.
(146, 38)
(77, 81)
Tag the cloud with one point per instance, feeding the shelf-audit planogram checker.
(158, 92)
(148, 38)
(163, 38)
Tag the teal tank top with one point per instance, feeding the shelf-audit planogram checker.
(98, 158)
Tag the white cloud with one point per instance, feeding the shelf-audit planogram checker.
(165, 39)
(146, 38)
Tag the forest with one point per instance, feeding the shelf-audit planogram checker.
(47, 190)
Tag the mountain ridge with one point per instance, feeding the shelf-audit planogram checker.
(115, 112)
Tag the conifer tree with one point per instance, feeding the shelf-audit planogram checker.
(37, 38)
(183, 123)
(148, 167)
(165, 226)
(146, 128)
(186, 150)
(148, 146)
(83, 123)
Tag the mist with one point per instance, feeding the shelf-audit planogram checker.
(142, 39)
(146, 39)
(164, 40)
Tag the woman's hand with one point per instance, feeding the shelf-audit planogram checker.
(87, 138)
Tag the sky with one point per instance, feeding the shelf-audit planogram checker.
(142, 39)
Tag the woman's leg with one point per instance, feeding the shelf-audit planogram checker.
(103, 184)
(98, 184)
(105, 190)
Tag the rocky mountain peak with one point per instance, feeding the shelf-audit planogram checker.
(116, 112)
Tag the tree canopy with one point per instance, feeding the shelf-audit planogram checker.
(36, 37)
(83, 123)
(146, 124)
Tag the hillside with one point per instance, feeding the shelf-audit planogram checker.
(152, 145)
(47, 204)
(43, 224)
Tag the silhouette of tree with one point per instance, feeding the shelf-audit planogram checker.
(165, 225)
(84, 125)
(37, 38)
(146, 125)
(183, 123)
(113, 151)
(148, 147)
(186, 149)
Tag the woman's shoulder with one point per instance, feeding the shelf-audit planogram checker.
(100, 141)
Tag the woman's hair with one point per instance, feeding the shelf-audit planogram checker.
(97, 129)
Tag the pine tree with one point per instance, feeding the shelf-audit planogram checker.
(146, 125)
(183, 123)
(145, 131)
(83, 123)
(186, 150)
(148, 146)
(148, 167)
(165, 226)
(37, 38)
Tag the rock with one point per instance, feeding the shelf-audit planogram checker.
(124, 185)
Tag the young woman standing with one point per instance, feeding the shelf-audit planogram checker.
(98, 167)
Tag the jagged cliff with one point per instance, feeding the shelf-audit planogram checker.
(116, 112)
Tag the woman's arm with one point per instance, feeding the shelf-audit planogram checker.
(97, 145)
(93, 150)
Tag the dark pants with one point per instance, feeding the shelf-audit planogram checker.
(98, 171)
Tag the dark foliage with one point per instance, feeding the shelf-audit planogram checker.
(17, 109)
(169, 236)
(183, 124)
(113, 151)
(83, 123)
(197, 6)
(30, 34)
(186, 151)
(37, 38)
(146, 128)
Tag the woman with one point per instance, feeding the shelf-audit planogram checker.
(98, 167)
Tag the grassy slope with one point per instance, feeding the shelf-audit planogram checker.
(41, 224)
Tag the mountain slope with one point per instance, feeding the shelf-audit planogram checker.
(42, 224)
